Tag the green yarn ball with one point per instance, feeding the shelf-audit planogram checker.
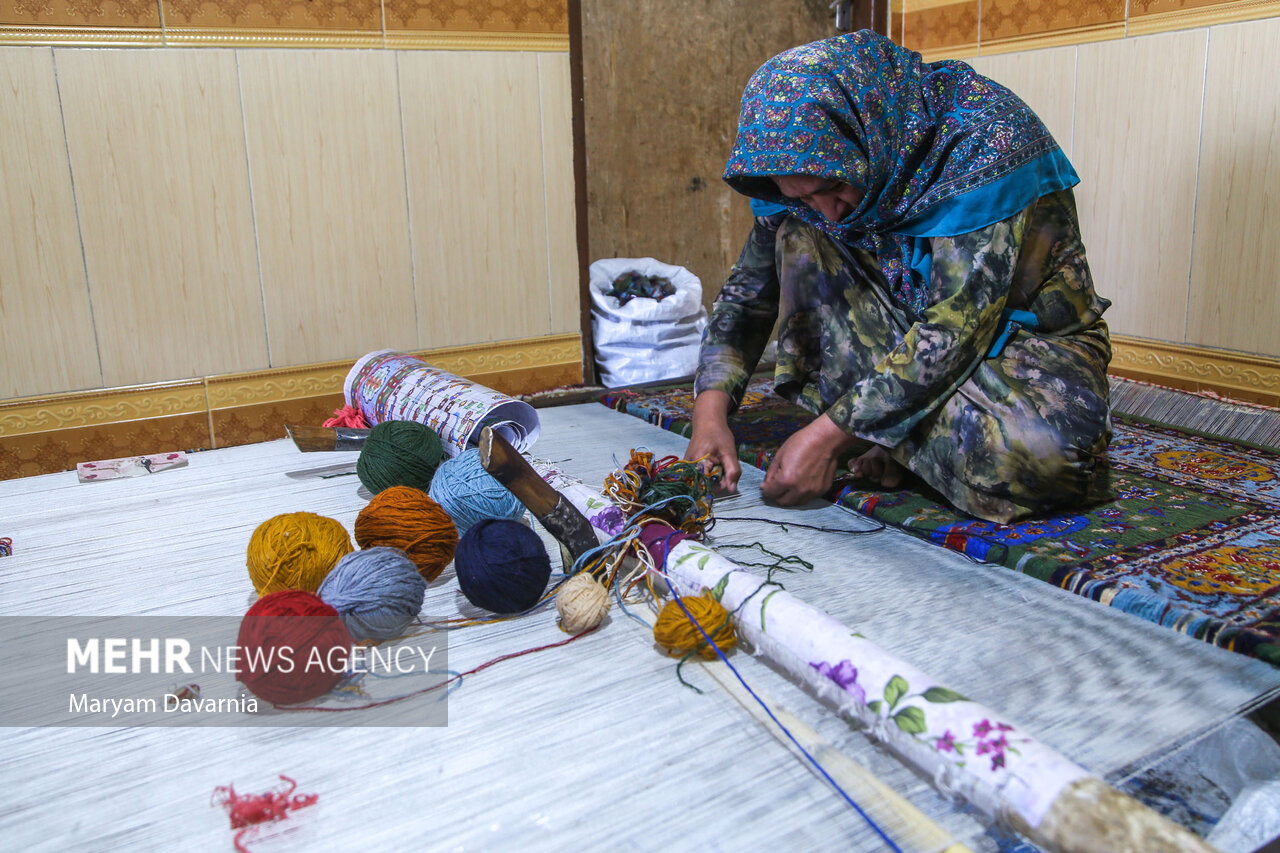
(399, 453)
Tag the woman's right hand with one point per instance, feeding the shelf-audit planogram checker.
(712, 442)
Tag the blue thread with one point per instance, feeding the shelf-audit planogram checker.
(675, 596)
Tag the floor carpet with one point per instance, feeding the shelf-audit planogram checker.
(1185, 532)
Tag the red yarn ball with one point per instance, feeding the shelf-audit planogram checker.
(287, 647)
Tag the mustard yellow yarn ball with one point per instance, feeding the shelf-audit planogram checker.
(295, 550)
(674, 633)
(582, 603)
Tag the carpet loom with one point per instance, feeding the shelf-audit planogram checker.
(1182, 530)
(590, 745)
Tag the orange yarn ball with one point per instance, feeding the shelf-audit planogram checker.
(678, 636)
(295, 550)
(404, 517)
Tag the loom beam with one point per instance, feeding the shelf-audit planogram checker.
(555, 512)
(1084, 814)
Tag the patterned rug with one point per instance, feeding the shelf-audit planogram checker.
(1187, 536)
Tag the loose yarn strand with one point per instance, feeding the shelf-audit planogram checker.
(624, 481)
(880, 525)
(456, 678)
(675, 596)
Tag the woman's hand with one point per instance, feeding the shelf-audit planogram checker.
(805, 466)
(712, 441)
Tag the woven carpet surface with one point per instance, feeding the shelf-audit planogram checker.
(1184, 533)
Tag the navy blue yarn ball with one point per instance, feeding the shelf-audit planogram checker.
(502, 566)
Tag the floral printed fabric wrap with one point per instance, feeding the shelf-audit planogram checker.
(984, 757)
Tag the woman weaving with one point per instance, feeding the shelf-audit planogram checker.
(916, 235)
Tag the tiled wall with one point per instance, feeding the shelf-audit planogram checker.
(314, 23)
(175, 213)
(939, 28)
(53, 433)
(1173, 135)
(190, 233)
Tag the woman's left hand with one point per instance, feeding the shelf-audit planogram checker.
(805, 466)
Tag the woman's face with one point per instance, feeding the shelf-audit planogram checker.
(833, 199)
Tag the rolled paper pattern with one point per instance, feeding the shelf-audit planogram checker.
(394, 386)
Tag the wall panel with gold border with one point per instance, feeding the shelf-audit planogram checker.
(1025, 24)
(936, 27)
(962, 28)
(1153, 16)
(40, 435)
(529, 25)
(157, 153)
(476, 194)
(326, 157)
(1137, 152)
(1237, 375)
(185, 173)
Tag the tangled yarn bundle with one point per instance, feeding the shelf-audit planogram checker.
(668, 489)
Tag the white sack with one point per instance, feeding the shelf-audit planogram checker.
(646, 340)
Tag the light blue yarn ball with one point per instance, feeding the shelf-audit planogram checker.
(470, 494)
(377, 592)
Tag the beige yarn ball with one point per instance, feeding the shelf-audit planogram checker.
(582, 602)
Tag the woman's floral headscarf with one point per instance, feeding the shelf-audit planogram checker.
(936, 148)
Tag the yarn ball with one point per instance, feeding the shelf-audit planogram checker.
(678, 636)
(470, 494)
(295, 550)
(377, 592)
(399, 453)
(502, 566)
(404, 517)
(292, 647)
(582, 603)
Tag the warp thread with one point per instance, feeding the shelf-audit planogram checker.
(582, 602)
(471, 494)
(502, 566)
(678, 636)
(295, 550)
(249, 810)
(399, 453)
(377, 592)
(286, 642)
(406, 518)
